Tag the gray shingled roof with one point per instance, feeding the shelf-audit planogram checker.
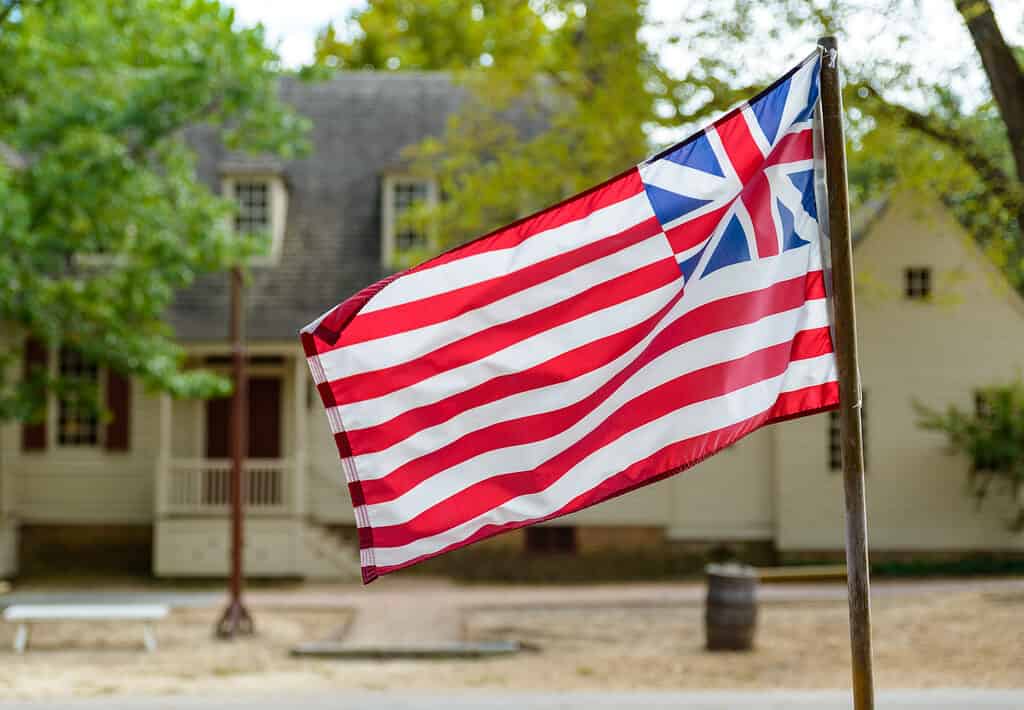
(331, 249)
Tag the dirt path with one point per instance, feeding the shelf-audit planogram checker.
(615, 638)
(387, 591)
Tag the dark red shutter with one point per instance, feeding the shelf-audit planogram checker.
(119, 406)
(33, 434)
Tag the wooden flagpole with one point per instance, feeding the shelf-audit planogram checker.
(236, 619)
(851, 434)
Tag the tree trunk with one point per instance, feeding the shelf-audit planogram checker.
(1004, 73)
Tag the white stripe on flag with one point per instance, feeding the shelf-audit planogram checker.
(686, 422)
(515, 358)
(597, 225)
(411, 344)
(694, 355)
(539, 348)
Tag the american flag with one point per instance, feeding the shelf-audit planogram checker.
(602, 344)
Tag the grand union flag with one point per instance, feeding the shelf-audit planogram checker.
(602, 344)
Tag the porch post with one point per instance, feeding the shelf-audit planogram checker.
(163, 458)
(6, 484)
(299, 459)
(8, 443)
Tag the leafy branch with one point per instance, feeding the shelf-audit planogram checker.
(992, 437)
(1001, 184)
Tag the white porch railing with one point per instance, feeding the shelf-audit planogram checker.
(203, 486)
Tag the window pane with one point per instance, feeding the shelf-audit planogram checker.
(404, 195)
(982, 405)
(835, 445)
(917, 282)
(835, 452)
(253, 199)
(551, 539)
(77, 422)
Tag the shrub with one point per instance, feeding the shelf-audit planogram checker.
(992, 438)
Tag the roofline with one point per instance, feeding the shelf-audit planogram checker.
(343, 74)
(1012, 294)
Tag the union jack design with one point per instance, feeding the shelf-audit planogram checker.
(599, 345)
(743, 188)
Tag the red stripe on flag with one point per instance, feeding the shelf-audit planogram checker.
(375, 383)
(324, 336)
(693, 387)
(583, 205)
(621, 187)
(672, 459)
(744, 154)
(689, 234)
(793, 147)
(445, 306)
(757, 197)
(561, 368)
(712, 317)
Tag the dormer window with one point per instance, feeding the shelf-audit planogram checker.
(253, 199)
(402, 245)
(917, 283)
(261, 203)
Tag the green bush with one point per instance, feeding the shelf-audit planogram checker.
(992, 437)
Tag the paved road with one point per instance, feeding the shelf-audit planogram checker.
(345, 700)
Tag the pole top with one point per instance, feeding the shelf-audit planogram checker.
(828, 42)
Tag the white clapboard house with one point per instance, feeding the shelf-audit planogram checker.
(936, 322)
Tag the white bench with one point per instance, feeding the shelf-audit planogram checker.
(25, 614)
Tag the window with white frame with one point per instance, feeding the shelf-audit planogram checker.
(403, 243)
(261, 202)
(78, 421)
(253, 205)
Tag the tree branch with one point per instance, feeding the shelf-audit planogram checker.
(1001, 184)
(1004, 73)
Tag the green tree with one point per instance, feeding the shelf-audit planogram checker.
(992, 438)
(101, 216)
(910, 125)
(907, 125)
(560, 96)
(438, 34)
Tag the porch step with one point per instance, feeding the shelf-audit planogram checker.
(327, 556)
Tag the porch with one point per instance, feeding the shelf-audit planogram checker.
(193, 476)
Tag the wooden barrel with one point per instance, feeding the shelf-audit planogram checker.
(730, 613)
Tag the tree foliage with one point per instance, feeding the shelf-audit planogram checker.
(101, 215)
(434, 35)
(958, 133)
(559, 97)
(992, 437)
(605, 88)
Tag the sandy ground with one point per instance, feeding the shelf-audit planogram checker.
(939, 639)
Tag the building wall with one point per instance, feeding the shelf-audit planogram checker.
(729, 496)
(326, 490)
(194, 547)
(87, 484)
(726, 497)
(970, 335)
(775, 484)
(188, 419)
